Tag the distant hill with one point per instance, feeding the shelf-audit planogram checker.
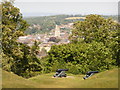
(69, 18)
(44, 24)
(106, 79)
(47, 23)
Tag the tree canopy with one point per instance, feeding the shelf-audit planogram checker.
(94, 46)
(98, 29)
(17, 57)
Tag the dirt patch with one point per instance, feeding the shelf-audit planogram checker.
(65, 77)
(70, 77)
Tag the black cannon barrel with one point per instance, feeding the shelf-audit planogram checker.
(59, 70)
(92, 72)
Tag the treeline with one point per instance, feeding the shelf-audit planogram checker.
(94, 46)
(47, 23)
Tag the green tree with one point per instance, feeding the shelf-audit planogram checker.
(80, 57)
(98, 29)
(13, 26)
(95, 28)
(54, 39)
(17, 57)
(94, 46)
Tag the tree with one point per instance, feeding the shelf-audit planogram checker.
(13, 26)
(98, 29)
(80, 57)
(54, 39)
(94, 46)
(16, 56)
(95, 28)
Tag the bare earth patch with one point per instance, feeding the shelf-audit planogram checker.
(65, 77)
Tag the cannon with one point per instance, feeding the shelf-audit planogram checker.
(89, 74)
(60, 73)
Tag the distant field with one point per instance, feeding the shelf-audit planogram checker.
(107, 79)
(75, 18)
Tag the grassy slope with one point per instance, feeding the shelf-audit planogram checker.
(107, 79)
(0, 78)
(10, 80)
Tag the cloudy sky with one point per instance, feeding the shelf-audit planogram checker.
(53, 7)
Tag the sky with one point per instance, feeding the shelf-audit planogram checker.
(54, 7)
(66, 0)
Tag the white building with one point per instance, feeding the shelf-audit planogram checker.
(57, 31)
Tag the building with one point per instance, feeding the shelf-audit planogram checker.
(57, 31)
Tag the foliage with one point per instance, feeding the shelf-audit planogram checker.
(35, 48)
(94, 46)
(80, 58)
(54, 39)
(47, 23)
(17, 57)
(96, 28)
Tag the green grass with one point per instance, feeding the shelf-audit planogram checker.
(10, 80)
(107, 79)
(0, 78)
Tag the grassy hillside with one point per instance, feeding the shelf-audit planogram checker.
(107, 79)
(47, 23)
(10, 80)
(0, 78)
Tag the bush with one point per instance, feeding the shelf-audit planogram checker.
(80, 58)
